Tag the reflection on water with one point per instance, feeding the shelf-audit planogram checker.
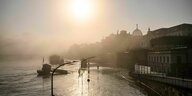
(20, 79)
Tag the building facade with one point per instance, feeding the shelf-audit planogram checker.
(178, 30)
(171, 56)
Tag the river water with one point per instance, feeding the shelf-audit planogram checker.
(19, 78)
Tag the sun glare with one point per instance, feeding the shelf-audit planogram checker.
(81, 9)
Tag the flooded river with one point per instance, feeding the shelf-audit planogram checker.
(20, 79)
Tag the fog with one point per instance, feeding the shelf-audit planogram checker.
(28, 44)
(40, 28)
(23, 44)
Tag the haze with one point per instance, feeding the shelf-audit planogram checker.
(43, 27)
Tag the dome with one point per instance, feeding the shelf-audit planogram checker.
(137, 32)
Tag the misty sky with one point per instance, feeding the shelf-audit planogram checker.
(45, 25)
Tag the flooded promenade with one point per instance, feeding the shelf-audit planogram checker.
(20, 79)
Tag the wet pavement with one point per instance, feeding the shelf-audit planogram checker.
(103, 82)
(20, 79)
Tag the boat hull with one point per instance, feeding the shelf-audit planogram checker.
(41, 72)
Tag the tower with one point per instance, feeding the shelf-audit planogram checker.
(149, 30)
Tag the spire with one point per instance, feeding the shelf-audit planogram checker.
(43, 60)
(136, 26)
(149, 29)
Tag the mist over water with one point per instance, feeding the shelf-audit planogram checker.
(19, 78)
(51, 27)
(31, 44)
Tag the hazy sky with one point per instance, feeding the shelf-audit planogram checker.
(47, 22)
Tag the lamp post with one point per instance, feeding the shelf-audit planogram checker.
(60, 66)
(54, 72)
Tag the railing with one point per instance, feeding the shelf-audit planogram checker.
(184, 83)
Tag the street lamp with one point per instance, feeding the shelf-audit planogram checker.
(54, 72)
(60, 66)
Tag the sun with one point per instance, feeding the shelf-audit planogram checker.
(81, 9)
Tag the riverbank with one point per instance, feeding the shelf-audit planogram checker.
(19, 78)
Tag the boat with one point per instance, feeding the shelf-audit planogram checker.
(46, 70)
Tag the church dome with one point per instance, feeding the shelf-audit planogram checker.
(137, 32)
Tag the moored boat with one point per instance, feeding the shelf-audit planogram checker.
(46, 69)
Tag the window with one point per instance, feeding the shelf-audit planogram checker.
(155, 59)
(160, 59)
(167, 59)
(149, 58)
(179, 59)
